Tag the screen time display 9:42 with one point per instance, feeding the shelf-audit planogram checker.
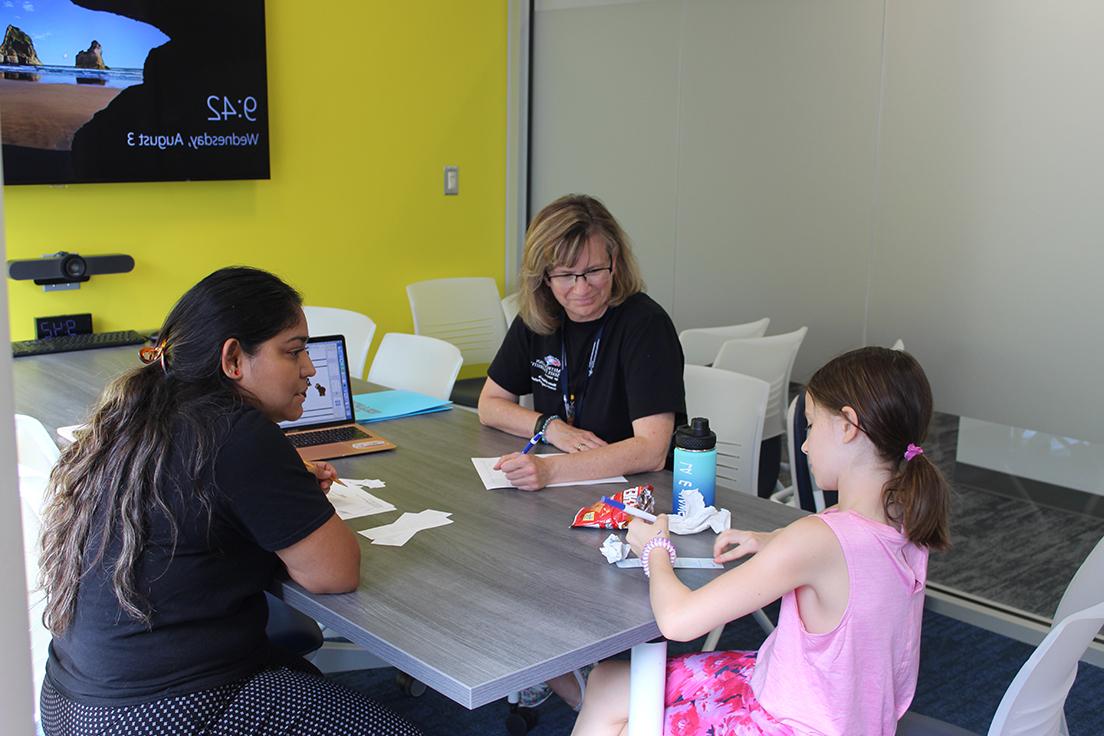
(223, 108)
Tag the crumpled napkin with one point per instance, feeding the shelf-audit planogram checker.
(614, 549)
(698, 516)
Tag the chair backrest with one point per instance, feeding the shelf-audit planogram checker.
(466, 312)
(357, 328)
(510, 308)
(37, 455)
(1034, 702)
(416, 363)
(809, 495)
(770, 359)
(735, 405)
(1085, 587)
(700, 344)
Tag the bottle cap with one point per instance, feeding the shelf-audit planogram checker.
(696, 435)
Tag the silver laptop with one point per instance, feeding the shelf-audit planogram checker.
(328, 427)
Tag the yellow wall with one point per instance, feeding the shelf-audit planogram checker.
(367, 105)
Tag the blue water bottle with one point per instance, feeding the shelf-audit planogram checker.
(695, 463)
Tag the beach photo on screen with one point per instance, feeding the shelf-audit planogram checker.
(132, 90)
(60, 64)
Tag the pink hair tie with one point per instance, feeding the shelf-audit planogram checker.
(912, 451)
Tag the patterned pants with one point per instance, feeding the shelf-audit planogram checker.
(274, 701)
(710, 693)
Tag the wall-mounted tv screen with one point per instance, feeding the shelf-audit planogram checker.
(133, 90)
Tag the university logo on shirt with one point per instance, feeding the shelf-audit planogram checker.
(547, 372)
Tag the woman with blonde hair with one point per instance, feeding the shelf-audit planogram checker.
(600, 357)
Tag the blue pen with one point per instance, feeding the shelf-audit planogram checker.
(630, 510)
(533, 442)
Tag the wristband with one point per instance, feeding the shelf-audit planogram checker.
(539, 426)
(657, 541)
(542, 426)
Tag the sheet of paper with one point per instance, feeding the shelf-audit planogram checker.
(70, 433)
(699, 563)
(352, 502)
(365, 483)
(406, 526)
(497, 479)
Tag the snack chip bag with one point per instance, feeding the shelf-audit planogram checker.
(600, 516)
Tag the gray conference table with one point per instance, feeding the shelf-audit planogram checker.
(506, 596)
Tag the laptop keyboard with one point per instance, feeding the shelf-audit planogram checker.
(325, 436)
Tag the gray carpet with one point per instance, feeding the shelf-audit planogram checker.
(1011, 551)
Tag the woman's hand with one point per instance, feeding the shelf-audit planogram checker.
(641, 531)
(742, 543)
(525, 472)
(571, 439)
(324, 472)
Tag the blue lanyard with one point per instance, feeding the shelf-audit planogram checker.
(573, 407)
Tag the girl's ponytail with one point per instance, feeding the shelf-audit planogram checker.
(918, 498)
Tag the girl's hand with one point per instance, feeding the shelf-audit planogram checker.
(641, 531)
(742, 544)
(525, 472)
(325, 473)
(571, 439)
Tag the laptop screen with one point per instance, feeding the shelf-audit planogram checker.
(329, 398)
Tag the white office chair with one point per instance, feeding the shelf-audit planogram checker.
(466, 312)
(510, 308)
(1032, 705)
(770, 359)
(37, 455)
(356, 327)
(700, 344)
(1085, 588)
(416, 363)
(735, 405)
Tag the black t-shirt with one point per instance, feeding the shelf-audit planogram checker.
(637, 370)
(207, 593)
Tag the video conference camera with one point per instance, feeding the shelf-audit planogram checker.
(64, 270)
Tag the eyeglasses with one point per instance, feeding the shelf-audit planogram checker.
(592, 276)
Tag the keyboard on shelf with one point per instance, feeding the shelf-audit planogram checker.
(325, 436)
(67, 343)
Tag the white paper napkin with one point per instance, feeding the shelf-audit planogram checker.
(698, 516)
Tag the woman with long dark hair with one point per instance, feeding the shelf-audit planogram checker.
(167, 519)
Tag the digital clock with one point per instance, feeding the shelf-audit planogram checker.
(66, 324)
(223, 108)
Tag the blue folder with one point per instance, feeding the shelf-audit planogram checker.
(379, 406)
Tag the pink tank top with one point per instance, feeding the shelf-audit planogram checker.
(859, 678)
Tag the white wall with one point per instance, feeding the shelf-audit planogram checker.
(873, 169)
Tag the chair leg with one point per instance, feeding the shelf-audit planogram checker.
(711, 640)
(764, 622)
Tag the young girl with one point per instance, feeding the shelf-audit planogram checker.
(845, 655)
(168, 518)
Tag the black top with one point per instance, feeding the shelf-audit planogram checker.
(207, 595)
(637, 371)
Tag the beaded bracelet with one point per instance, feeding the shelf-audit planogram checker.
(657, 541)
(543, 423)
